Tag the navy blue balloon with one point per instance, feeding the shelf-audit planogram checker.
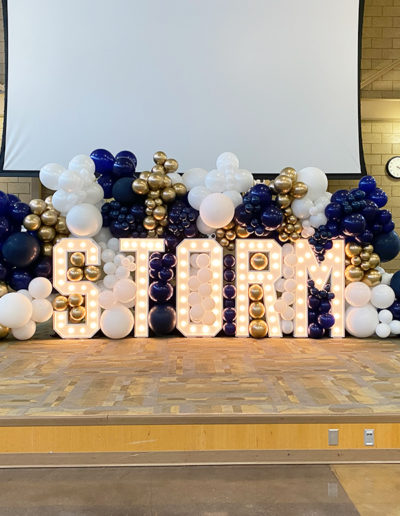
(160, 292)
(395, 284)
(241, 215)
(43, 268)
(5, 228)
(263, 192)
(120, 229)
(366, 237)
(162, 319)
(229, 292)
(18, 211)
(333, 228)
(229, 303)
(155, 263)
(123, 193)
(229, 260)
(19, 279)
(379, 197)
(229, 329)
(395, 309)
(103, 160)
(370, 212)
(20, 250)
(272, 218)
(354, 224)
(312, 316)
(165, 274)
(229, 314)
(387, 246)
(326, 320)
(333, 211)
(229, 275)
(129, 155)
(12, 198)
(4, 203)
(313, 302)
(168, 260)
(315, 331)
(388, 228)
(340, 196)
(106, 182)
(123, 167)
(384, 217)
(367, 184)
(324, 306)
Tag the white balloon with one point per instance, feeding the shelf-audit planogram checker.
(290, 285)
(110, 280)
(42, 310)
(94, 193)
(122, 272)
(124, 290)
(288, 314)
(40, 288)
(382, 296)
(361, 321)
(288, 298)
(287, 327)
(386, 278)
(87, 177)
(217, 210)
(204, 275)
(109, 268)
(193, 283)
(196, 312)
(175, 177)
(70, 181)
(357, 293)
(290, 260)
(203, 228)
(196, 195)
(104, 235)
(60, 201)
(318, 220)
(244, 180)
(301, 207)
(215, 181)
(385, 316)
(82, 161)
(395, 327)
(235, 197)
(113, 243)
(204, 289)
(25, 332)
(25, 293)
(383, 330)
(15, 310)
(280, 306)
(315, 179)
(194, 177)
(227, 159)
(108, 255)
(194, 298)
(287, 249)
(202, 260)
(84, 220)
(49, 175)
(116, 322)
(208, 318)
(107, 299)
(288, 272)
(280, 285)
(208, 303)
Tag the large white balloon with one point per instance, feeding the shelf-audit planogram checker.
(15, 310)
(40, 288)
(194, 177)
(82, 161)
(25, 332)
(361, 321)
(301, 207)
(84, 220)
(244, 180)
(124, 290)
(117, 322)
(196, 195)
(175, 177)
(316, 181)
(382, 296)
(49, 175)
(217, 210)
(357, 293)
(42, 310)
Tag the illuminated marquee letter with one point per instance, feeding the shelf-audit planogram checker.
(266, 278)
(141, 247)
(183, 252)
(331, 270)
(61, 251)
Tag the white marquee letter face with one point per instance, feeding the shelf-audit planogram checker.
(141, 247)
(331, 270)
(265, 278)
(61, 325)
(187, 327)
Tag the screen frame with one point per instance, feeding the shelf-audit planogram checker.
(35, 173)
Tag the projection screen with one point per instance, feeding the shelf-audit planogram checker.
(276, 82)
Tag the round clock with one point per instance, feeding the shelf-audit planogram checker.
(393, 167)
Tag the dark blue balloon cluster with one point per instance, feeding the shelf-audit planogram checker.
(229, 313)
(395, 285)
(320, 320)
(321, 241)
(124, 221)
(182, 220)
(162, 315)
(258, 214)
(109, 168)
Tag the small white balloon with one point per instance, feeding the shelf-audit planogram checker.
(202, 260)
(203, 228)
(175, 177)
(50, 174)
(383, 330)
(42, 310)
(395, 327)
(234, 196)
(113, 244)
(288, 272)
(110, 280)
(70, 181)
(194, 298)
(107, 299)
(301, 207)
(287, 327)
(108, 255)
(109, 267)
(280, 306)
(124, 290)
(204, 289)
(82, 161)
(288, 298)
(290, 260)
(386, 278)
(94, 193)
(194, 177)
(280, 285)
(194, 283)
(382, 296)
(40, 288)
(196, 312)
(357, 293)
(204, 275)
(385, 316)
(215, 181)
(25, 332)
(227, 159)
(208, 303)
(197, 195)
(122, 272)
(290, 285)
(117, 322)
(288, 314)
(208, 318)
(287, 249)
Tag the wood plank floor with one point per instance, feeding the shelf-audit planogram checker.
(54, 377)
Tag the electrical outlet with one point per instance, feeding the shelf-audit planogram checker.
(333, 437)
(369, 437)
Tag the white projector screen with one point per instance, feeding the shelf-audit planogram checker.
(274, 81)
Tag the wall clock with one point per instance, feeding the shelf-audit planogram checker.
(393, 167)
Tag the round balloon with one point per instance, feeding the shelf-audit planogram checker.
(382, 296)
(362, 321)
(84, 220)
(217, 210)
(103, 160)
(15, 310)
(116, 322)
(162, 319)
(21, 250)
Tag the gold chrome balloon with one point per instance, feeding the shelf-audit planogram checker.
(365, 255)
(159, 157)
(32, 222)
(283, 237)
(374, 260)
(61, 225)
(258, 328)
(74, 274)
(92, 272)
(144, 175)
(256, 310)
(369, 248)
(352, 249)
(155, 181)
(77, 259)
(75, 299)
(299, 190)
(224, 242)
(256, 292)
(168, 195)
(242, 232)
(49, 201)
(140, 186)
(372, 278)
(77, 314)
(3, 289)
(49, 217)
(37, 206)
(366, 265)
(283, 200)
(154, 194)
(180, 189)
(60, 303)
(290, 172)
(356, 260)
(283, 184)
(167, 182)
(159, 169)
(230, 235)
(160, 231)
(259, 261)
(171, 165)
(47, 249)
(4, 331)
(353, 273)
(149, 223)
(46, 233)
(159, 212)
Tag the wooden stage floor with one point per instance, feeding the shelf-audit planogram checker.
(176, 376)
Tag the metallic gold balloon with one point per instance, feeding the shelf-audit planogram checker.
(291, 219)
(92, 272)
(150, 203)
(242, 232)
(180, 189)
(256, 310)
(37, 206)
(289, 228)
(158, 201)
(74, 274)
(152, 233)
(149, 223)
(290, 172)
(365, 255)
(283, 184)
(298, 227)
(167, 182)
(352, 249)
(356, 260)
(231, 246)
(61, 225)
(3, 289)
(140, 186)
(160, 231)
(77, 314)
(168, 195)
(159, 157)
(49, 201)
(288, 211)
(159, 212)
(163, 222)
(258, 328)
(374, 260)
(58, 238)
(32, 222)
(46, 233)
(353, 273)
(283, 200)
(256, 292)
(77, 259)
(144, 175)
(154, 194)
(230, 225)
(47, 249)
(372, 278)
(230, 235)
(365, 266)
(369, 248)
(60, 303)
(158, 169)
(155, 181)
(49, 217)
(4, 331)
(283, 237)
(75, 299)
(259, 261)
(171, 165)
(299, 190)
(220, 233)
(294, 236)
(224, 242)
(149, 211)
